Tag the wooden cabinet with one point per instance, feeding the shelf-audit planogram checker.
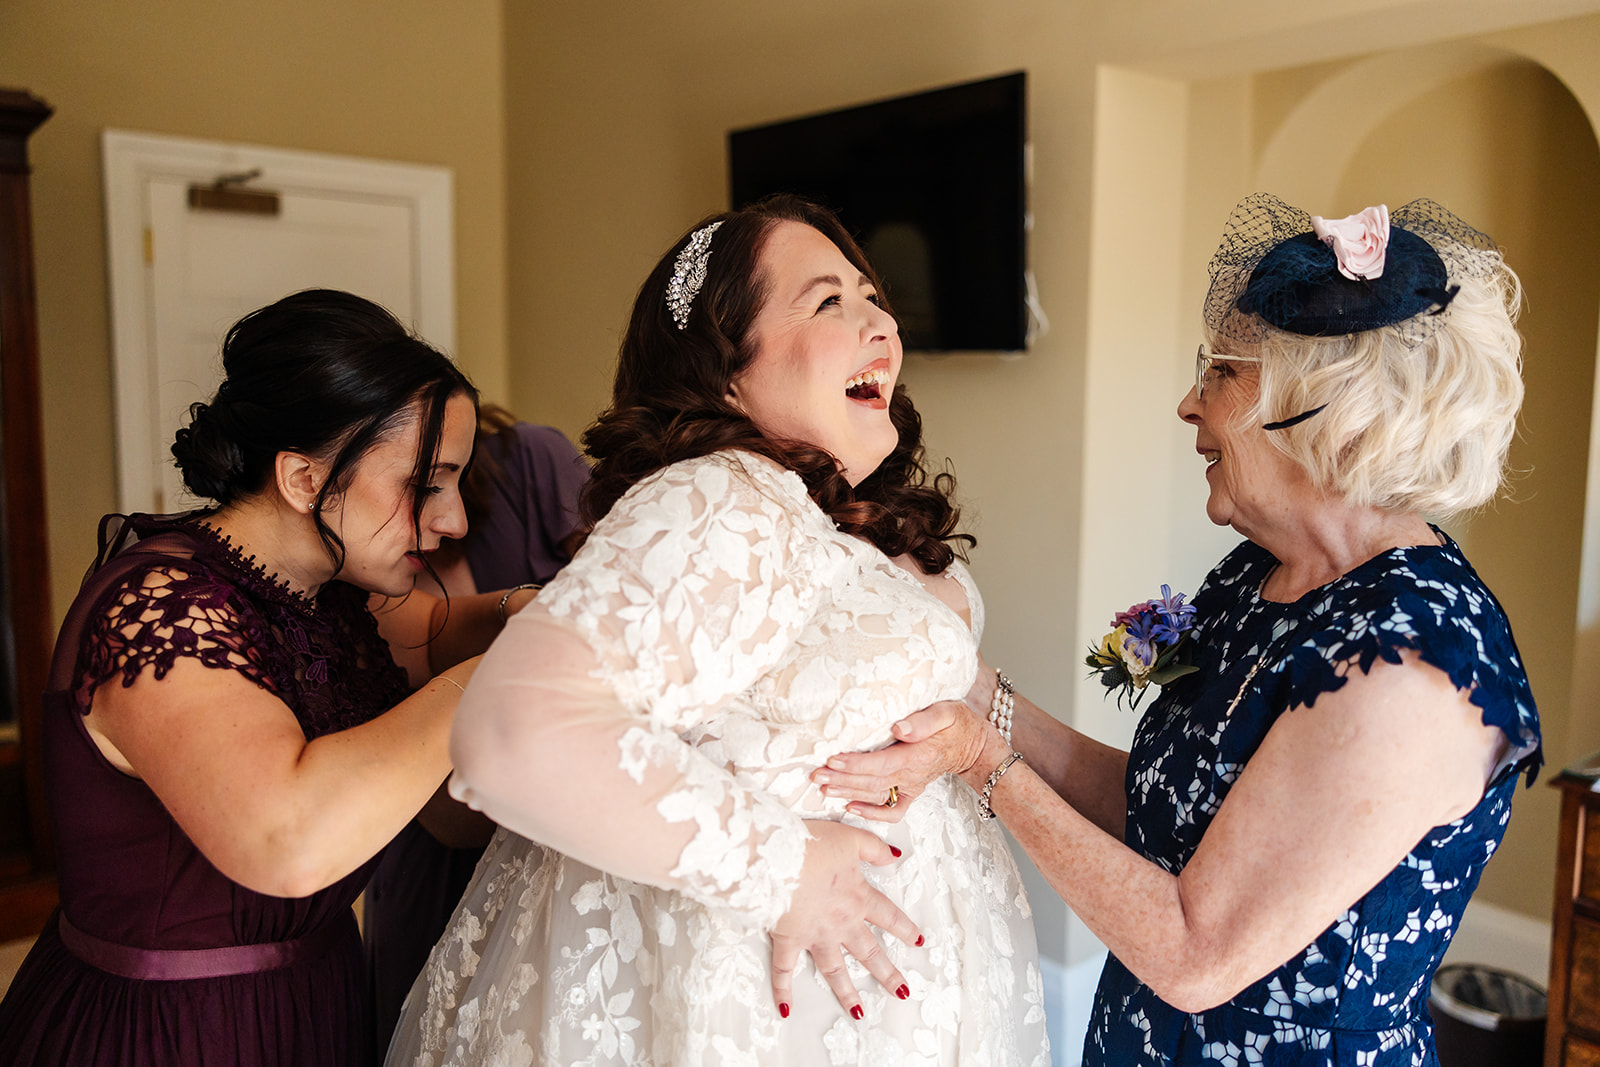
(1579, 1054)
(1573, 1037)
(27, 886)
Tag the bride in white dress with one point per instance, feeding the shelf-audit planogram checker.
(769, 583)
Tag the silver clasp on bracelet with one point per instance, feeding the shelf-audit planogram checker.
(984, 809)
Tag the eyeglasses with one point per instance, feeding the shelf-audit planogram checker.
(1202, 371)
(1202, 366)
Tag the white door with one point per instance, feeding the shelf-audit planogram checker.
(181, 276)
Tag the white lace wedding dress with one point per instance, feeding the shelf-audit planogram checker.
(651, 722)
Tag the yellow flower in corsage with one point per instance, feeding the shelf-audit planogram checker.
(1149, 643)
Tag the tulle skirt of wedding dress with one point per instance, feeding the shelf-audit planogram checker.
(548, 961)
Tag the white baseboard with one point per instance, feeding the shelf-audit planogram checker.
(1068, 998)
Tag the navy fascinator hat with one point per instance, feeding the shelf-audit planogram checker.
(1281, 269)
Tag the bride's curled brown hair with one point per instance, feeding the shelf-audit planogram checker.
(670, 400)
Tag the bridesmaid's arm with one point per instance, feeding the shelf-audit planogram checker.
(462, 627)
(274, 812)
(428, 634)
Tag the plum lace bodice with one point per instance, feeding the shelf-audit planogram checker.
(179, 589)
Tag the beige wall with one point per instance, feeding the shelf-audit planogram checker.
(405, 80)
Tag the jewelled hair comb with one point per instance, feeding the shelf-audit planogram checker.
(689, 274)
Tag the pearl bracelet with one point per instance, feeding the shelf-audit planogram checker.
(984, 810)
(535, 586)
(1002, 704)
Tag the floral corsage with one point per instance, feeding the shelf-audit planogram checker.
(1150, 644)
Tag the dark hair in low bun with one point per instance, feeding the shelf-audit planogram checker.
(323, 373)
(212, 464)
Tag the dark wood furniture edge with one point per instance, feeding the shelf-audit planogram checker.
(24, 905)
(20, 114)
(1574, 818)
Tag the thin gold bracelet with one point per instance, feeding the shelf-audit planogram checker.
(452, 681)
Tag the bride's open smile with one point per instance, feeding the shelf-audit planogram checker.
(827, 353)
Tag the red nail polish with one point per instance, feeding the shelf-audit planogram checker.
(856, 1012)
(894, 852)
(783, 1010)
(919, 940)
(903, 992)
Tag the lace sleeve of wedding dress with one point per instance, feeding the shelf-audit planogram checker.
(692, 589)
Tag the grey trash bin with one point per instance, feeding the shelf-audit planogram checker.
(1486, 1017)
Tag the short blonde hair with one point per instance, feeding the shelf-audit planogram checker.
(1422, 427)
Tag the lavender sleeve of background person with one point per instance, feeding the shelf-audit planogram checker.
(534, 508)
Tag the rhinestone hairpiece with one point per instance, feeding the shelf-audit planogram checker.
(689, 274)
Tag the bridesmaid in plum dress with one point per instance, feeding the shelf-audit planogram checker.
(228, 739)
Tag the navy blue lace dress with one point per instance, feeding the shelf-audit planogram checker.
(1357, 995)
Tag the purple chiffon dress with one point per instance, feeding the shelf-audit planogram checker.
(155, 956)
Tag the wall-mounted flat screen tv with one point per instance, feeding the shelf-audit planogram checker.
(934, 188)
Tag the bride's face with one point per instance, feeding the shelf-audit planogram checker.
(827, 354)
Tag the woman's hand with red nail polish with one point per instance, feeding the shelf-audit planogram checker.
(832, 914)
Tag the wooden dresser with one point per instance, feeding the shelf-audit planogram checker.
(1573, 1036)
(27, 877)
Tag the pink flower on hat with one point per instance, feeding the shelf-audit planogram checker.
(1359, 242)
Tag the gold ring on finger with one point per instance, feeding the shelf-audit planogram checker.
(894, 797)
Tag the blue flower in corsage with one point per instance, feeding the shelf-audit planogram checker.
(1150, 643)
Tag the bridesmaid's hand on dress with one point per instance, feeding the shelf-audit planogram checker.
(830, 916)
(943, 738)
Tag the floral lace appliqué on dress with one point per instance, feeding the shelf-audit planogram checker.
(744, 640)
(1357, 995)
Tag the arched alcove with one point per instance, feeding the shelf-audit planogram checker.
(1503, 142)
(1304, 159)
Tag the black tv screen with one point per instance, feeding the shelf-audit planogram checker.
(933, 186)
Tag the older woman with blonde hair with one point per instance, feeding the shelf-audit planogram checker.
(1279, 862)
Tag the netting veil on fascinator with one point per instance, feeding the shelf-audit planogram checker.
(1279, 268)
